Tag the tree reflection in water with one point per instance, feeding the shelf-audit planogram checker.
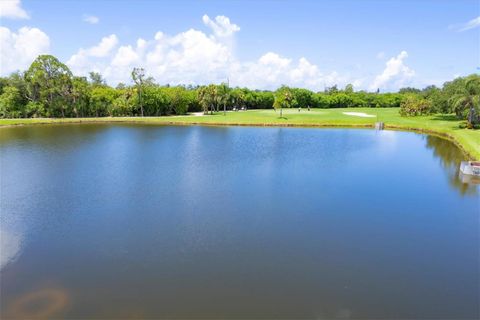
(450, 157)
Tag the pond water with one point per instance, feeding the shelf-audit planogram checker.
(131, 221)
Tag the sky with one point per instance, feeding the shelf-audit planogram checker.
(373, 45)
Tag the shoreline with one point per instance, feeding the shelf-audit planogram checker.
(161, 121)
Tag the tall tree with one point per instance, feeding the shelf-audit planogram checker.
(284, 98)
(349, 88)
(96, 79)
(224, 96)
(49, 82)
(138, 77)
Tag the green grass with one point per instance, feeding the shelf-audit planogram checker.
(443, 125)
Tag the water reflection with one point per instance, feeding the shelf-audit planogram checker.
(66, 135)
(46, 303)
(450, 157)
(468, 179)
(10, 245)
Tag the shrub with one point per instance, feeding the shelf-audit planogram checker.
(413, 105)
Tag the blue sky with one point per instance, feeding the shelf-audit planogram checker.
(260, 44)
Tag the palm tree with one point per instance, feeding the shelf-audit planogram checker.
(203, 98)
(213, 92)
(207, 97)
(223, 96)
(468, 98)
(239, 97)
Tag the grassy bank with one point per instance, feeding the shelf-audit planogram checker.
(444, 125)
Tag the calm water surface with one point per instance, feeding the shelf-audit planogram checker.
(123, 221)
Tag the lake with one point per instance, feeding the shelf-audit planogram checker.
(142, 221)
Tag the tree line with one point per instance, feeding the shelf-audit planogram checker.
(49, 89)
(460, 97)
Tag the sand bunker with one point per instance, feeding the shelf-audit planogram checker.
(359, 114)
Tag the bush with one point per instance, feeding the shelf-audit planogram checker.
(413, 105)
(11, 103)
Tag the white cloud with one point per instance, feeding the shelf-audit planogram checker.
(221, 27)
(395, 75)
(474, 23)
(12, 9)
(91, 19)
(21, 48)
(195, 57)
(85, 58)
(188, 57)
(274, 60)
(104, 47)
(272, 70)
(126, 55)
(460, 27)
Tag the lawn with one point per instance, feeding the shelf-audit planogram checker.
(444, 125)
